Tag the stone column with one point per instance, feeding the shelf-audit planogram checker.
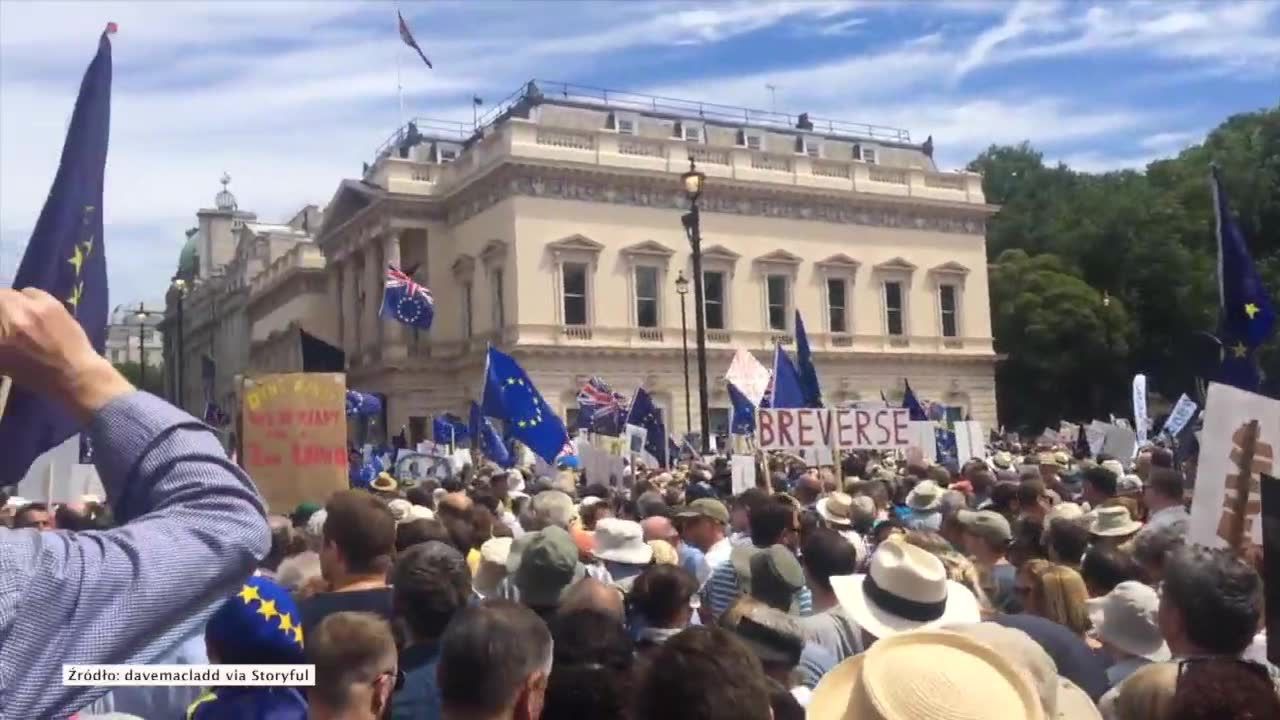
(351, 327)
(374, 279)
(336, 285)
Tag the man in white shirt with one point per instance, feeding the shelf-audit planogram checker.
(702, 525)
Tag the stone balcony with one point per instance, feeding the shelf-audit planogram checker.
(522, 140)
(301, 257)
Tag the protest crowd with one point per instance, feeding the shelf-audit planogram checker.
(1033, 582)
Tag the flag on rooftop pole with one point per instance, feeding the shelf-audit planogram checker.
(510, 396)
(804, 363)
(1247, 316)
(787, 392)
(407, 37)
(66, 258)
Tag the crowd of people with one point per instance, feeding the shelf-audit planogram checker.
(1028, 584)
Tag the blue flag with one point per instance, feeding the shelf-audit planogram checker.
(744, 413)
(66, 258)
(787, 392)
(1247, 315)
(915, 410)
(407, 302)
(450, 429)
(647, 415)
(804, 363)
(509, 395)
(490, 441)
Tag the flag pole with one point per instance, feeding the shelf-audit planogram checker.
(5, 384)
(399, 85)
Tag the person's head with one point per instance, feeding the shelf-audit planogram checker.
(1148, 693)
(431, 584)
(548, 508)
(826, 553)
(415, 532)
(1054, 592)
(776, 576)
(1033, 500)
(1026, 545)
(658, 527)
(300, 571)
(480, 677)
(33, 515)
(1104, 567)
(1161, 458)
(776, 639)
(591, 675)
(1210, 602)
(548, 566)
(593, 510)
(662, 595)
(356, 666)
(1153, 545)
(421, 496)
(281, 538)
(775, 522)
(808, 488)
(1164, 488)
(703, 523)
(703, 673)
(359, 537)
(591, 594)
(1066, 541)
(1100, 485)
(652, 503)
(1004, 499)
(1213, 688)
(743, 505)
(987, 534)
(982, 481)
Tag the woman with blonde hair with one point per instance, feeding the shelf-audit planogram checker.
(1054, 592)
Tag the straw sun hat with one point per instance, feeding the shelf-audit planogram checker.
(931, 674)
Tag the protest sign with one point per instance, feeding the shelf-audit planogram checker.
(744, 472)
(1226, 443)
(969, 441)
(1180, 416)
(295, 437)
(1120, 442)
(844, 429)
(1068, 431)
(1140, 420)
(1096, 433)
(1048, 438)
(1270, 487)
(922, 442)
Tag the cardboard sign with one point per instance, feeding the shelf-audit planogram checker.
(295, 437)
(1120, 443)
(845, 429)
(1228, 411)
(744, 473)
(1271, 559)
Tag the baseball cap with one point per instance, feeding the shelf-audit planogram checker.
(548, 566)
(986, 524)
(708, 508)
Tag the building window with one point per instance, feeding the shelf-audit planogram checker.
(947, 301)
(466, 310)
(646, 296)
(713, 300)
(837, 305)
(718, 419)
(575, 294)
(499, 301)
(893, 307)
(776, 286)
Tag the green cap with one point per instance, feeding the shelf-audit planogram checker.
(548, 566)
(776, 577)
(708, 508)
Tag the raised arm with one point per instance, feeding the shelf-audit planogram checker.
(192, 525)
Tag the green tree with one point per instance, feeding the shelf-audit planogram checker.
(132, 372)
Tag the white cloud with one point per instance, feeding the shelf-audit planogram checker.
(1171, 141)
(1097, 162)
(1021, 20)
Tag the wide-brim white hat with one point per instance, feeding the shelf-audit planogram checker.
(931, 674)
(843, 503)
(926, 495)
(905, 588)
(621, 541)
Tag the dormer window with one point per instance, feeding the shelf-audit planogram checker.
(809, 145)
(865, 154)
(621, 123)
(750, 139)
(444, 152)
(689, 132)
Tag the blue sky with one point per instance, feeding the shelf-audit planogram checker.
(291, 97)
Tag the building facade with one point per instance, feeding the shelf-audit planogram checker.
(554, 232)
(134, 335)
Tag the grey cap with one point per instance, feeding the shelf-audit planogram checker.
(776, 577)
(987, 524)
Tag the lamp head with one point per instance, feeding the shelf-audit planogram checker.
(682, 283)
(693, 181)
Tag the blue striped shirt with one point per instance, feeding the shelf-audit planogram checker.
(722, 589)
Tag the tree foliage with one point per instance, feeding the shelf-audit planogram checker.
(1064, 240)
(132, 372)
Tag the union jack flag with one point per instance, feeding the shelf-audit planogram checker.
(600, 409)
(406, 301)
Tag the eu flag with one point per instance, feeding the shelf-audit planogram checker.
(407, 302)
(804, 362)
(490, 442)
(1247, 315)
(449, 429)
(787, 392)
(66, 258)
(915, 410)
(744, 414)
(647, 415)
(509, 395)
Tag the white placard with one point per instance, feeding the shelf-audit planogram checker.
(1120, 443)
(845, 429)
(636, 436)
(1227, 411)
(744, 473)
(1140, 420)
(970, 441)
(1096, 434)
(748, 375)
(922, 443)
(1180, 416)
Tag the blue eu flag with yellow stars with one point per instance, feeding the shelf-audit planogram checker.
(1247, 315)
(509, 395)
(648, 416)
(65, 258)
(743, 421)
(489, 440)
(804, 364)
(788, 390)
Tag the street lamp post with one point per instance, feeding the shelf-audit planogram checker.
(693, 182)
(682, 289)
(180, 286)
(142, 350)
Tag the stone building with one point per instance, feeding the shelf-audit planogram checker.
(554, 232)
(133, 335)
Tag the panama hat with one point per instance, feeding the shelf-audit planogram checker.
(384, 483)
(931, 674)
(904, 588)
(621, 541)
(926, 495)
(837, 509)
(1113, 521)
(1125, 618)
